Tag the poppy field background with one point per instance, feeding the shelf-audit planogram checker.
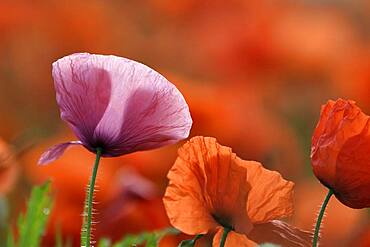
(254, 74)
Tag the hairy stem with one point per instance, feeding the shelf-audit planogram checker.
(91, 195)
(224, 235)
(320, 216)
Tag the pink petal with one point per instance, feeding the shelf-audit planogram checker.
(145, 110)
(128, 188)
(281, 233)
(55, 152)
(83, 89)
(134, 185)
(119, 104)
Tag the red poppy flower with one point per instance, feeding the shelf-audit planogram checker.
(340, 152)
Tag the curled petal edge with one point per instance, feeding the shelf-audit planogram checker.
(54, 152)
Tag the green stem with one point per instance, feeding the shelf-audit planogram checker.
(91, 195)
(319, 218)
(224, 235)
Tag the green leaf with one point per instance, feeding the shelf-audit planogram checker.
(269, 245)
(31, 225)
(130, 240)
(190, 242)
(151, 239)
(158, 235)
(10, 239)
(104, 242)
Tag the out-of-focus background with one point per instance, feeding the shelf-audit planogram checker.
(254, 73)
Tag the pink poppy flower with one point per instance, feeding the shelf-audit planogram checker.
(116, 104)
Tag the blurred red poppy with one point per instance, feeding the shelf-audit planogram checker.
(8, 168)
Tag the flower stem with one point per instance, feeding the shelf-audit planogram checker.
(91, 195)
(320, 216)
(224, 235)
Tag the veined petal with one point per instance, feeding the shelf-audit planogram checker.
(208, 188)
(280, 233)
(339, 121)
(83, 90)
(118, 104)
(270, 197)
(55, 152)
(352, 184)
(184, 199)
(145, 110)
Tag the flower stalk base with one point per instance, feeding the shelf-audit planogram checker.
(90, 197)
(224, 236)
(320, 216)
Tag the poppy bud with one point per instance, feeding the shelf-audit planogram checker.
(340, 153)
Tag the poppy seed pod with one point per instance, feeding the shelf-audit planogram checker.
(117, 105)
(340, 153)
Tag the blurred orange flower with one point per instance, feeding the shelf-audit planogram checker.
(340, 152)
(8, 168)
(211, 188)
(362, 239)
(268, 138)
(352, 76)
